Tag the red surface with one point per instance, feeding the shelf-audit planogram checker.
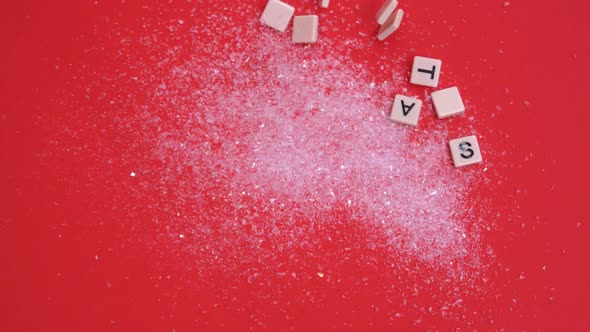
(63, 206)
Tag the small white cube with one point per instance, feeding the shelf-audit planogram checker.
(305, 29)
(465, 151)
(324, 3)
(385, 11)
(406, 110)
(425, 71)
(447, 102)
(391, 25)
(277, 15)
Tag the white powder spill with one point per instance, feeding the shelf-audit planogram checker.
(252, 146)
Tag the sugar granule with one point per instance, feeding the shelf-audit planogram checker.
(316, 136)
(279, 137)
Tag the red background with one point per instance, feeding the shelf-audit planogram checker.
(530, 57)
